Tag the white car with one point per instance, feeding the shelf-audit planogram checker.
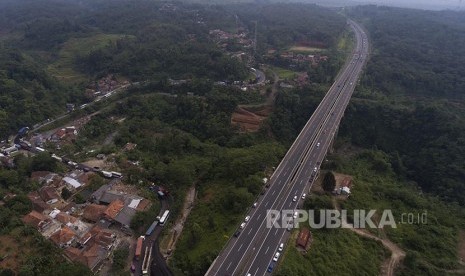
(294, 199)
(242, 225)
(303, 196)
(318, 144)
(281, 247)
(276, 257)
(315, 169)
(255, 204)
(247, 218)
(295, 215)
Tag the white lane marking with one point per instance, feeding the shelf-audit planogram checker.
(249, 231)
(273, 192)
(240, 246)
(268, 248)
(228, 266)
(276, 232)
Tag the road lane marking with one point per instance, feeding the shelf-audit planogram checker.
(267, 249)
(240, 247)
(228, 266)
(273, 192)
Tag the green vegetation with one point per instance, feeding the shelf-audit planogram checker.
(329, 182)
(333, 252)
(64, 67)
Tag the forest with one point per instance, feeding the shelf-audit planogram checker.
(49, 58)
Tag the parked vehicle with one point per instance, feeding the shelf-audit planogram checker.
(140, 241)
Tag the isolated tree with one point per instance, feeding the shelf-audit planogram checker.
(329, 182)
(65, 193)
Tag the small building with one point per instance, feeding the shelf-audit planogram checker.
(110, 196)
(125, 216)
(345, 190)
(71, 183)
(94, 212)
(113, 209)
(37, 203)
(63, 237)
(103, 237)
(129, 146)
(303, 238)
(49, 195)
(37, 220)
(65, 218)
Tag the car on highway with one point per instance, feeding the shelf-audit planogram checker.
(237, 233)
(295, 215)
(255, 204)
(304, 195)
(276, 257)
(247, 218)
(270, 268)
(242, 225)
(318, 144)
(315, 169)
(294, 199)
(281, 247)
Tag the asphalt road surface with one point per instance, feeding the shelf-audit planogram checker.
(253, 250)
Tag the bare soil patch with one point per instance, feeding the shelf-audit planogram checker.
(13, 252)
(248, 120)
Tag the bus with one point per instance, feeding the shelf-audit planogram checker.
(116, 174)
(164, 217)
(151, 228)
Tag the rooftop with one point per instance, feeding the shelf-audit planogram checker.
(62, 236)
(114, 208)
(93, 212)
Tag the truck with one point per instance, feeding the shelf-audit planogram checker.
(10, 150)
(25, 145)
(23, 131)
(107, 174)
(140, 240)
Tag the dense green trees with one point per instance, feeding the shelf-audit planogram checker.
(329, 182)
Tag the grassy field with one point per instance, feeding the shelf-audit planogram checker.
(303, 49)
(284, 73)
(63, 68)
(333, 252)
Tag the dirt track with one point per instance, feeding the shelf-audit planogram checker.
(397, 253)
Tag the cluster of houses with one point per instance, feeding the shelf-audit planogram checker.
(87, 232)
(297, 58)
(104, 86)
(223, 38)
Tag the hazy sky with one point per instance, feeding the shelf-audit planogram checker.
(419, 4)
(452, 4)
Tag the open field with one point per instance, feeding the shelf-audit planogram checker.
(305, 49)
(63, 68)
(284, 73)
(248, 120)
